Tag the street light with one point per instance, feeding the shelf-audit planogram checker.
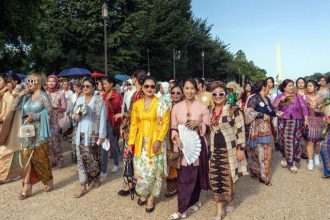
(176, 56)
(105, 17)
(203, 63)
(148, 62)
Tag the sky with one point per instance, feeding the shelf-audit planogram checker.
(302, 28)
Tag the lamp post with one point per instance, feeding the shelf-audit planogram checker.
(105, 17)
(148, 61)
(203, 63)
(176, 56)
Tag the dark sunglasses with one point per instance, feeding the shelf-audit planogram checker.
(32, 81)
(149, 86)
(129, 84)
(220, 94)
(86, 86)
(176, 93)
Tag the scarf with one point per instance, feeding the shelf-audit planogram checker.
(56, 87)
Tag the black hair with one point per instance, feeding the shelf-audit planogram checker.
(303, 79)
(200, 80)
(284, 84)
(192, 81)
(328, 79)
(177, 85)
(139, 75)
(110, 79)
(149, 78)
(90, 80)
(272, 79)
(244, 94)
(14, 77)
(315, 84)
(257, 86)
(320, 77)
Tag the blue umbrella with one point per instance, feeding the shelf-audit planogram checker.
(75, 72)
(122, 77)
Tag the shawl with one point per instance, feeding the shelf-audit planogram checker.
(56, 87)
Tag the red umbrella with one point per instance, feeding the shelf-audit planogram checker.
(97, 75)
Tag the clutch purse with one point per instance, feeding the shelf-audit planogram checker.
(27, 131)
(174, 159)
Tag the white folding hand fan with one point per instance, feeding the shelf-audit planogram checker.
(191, 143)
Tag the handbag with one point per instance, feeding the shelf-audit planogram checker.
(129, 173)
(174, 159)
(27, 131)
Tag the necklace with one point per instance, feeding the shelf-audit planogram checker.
(216, 117)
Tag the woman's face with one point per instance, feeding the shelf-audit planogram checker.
(219, 96)
(161, 90)
(76, 89)
(248, 88)
(10, 86)
(301, 84)
(149, 88)
(189, 90)
(266, 90)
(310, 87)
(65, 85)
(107, 86)
(323, 82)
(99, 86)
(176, 95)
(289, 88)
(33, 84)
(270, 84)
(51, 83)
(2, 83)
(88, 88)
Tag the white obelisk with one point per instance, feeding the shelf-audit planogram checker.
(278, 64)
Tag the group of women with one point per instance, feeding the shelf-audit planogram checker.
(230, 141)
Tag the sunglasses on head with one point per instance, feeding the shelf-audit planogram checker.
(86, 86)
(32, 81)
(176, 93)
(149, 86)
(220, 94)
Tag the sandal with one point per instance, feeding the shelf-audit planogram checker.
(49, 186)
(81, 193)
(194, 208)
(284, 164)
(293, 169)
(178, 215)
(23, 195)
(95, 184)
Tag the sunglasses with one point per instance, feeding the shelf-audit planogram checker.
(32, 81)
(176, 93)
(129, 84)
(220, 94)
(87, 86)
(149, 86)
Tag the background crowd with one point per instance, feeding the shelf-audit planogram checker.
(197, 135)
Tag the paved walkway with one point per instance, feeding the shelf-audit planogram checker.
(302, 196)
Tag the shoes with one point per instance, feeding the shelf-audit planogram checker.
(304, 156)
(310, 165)
(149, 210)
(284, 164)
(294, 169)
(317, 160)
(178, 215)
(103, 176)
(125, 192)
(141, 202)
(170, 194)
(194, 208)
(115, 169)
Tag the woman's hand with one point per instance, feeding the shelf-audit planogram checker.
(156, 147)
(28, 118)
(266, 118)
(130, 148)
(178, 142)
(76, 117)
(239, 154)
(192, 124)
(118, 115)
(23, 93)
(101, 140)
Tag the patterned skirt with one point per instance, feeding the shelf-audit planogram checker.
(259, 161)
(325, 155)
(316, 125)
(290, 135)
(148, 172)
(221, 180)
(88, 160)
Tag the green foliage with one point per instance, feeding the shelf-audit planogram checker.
(55, 34)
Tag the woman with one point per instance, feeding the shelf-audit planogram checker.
(65, 122)
(202, 95)
(176, 96)
(9, 142)
(57, 99)
(128, 95)
(99, 88)
(90, 116)
(323, 91)
(293, 115)
(2, 88)
(147, 132)
(301, 86)
(34, 154)
(315, 124)
(191, 178)
(246, 94)
(77, 93)
(258, 115)
(113, 103)
(325, 149)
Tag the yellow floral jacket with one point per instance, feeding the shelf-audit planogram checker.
(145, 123)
